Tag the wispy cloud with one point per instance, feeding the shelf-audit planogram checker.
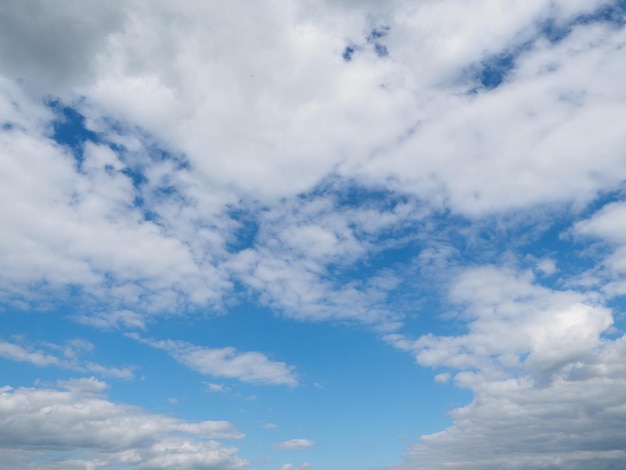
(226, 362)
(67, 356)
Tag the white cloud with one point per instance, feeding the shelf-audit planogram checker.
(607, 225)
(226, 362)
(546, 383)
(270, 426)
(68, 356)
(88, 427)
(294, 444)
(118, 319)
(547, 266)
(442, 378)
(211, 387)
(15, 352)
(290, 466)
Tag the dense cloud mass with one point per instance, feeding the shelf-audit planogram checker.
(447, 175)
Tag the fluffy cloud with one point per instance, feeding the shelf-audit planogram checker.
(546, 382)
(276, 114)
(226, 362)
(74, 425)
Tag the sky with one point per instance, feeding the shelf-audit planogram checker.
(325, 235)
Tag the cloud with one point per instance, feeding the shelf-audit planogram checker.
(118, 319)
(227, 362)
(274, 170)
(408, 124)
(607, 227)
(290, 466)
(211, 387)
(66, 356)
(16, 352)
(90, 429)
(294, 444)
(41, 48)
(537, 363)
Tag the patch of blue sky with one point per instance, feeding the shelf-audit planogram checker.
(348, 52)
(377, 33)
(381, 50)
(246, 220)
(494, 69)
(69, 129)
(373, 38)
(335, 364)
(613, 13)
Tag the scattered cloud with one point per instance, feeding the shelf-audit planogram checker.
(327, 165)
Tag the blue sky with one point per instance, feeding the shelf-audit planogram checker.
(338, 235)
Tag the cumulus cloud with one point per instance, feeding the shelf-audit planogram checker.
(538, 364)
(74, 423)
(294, 444)
(227, 362)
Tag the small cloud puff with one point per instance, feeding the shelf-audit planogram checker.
(290, 466)
(294, 444)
